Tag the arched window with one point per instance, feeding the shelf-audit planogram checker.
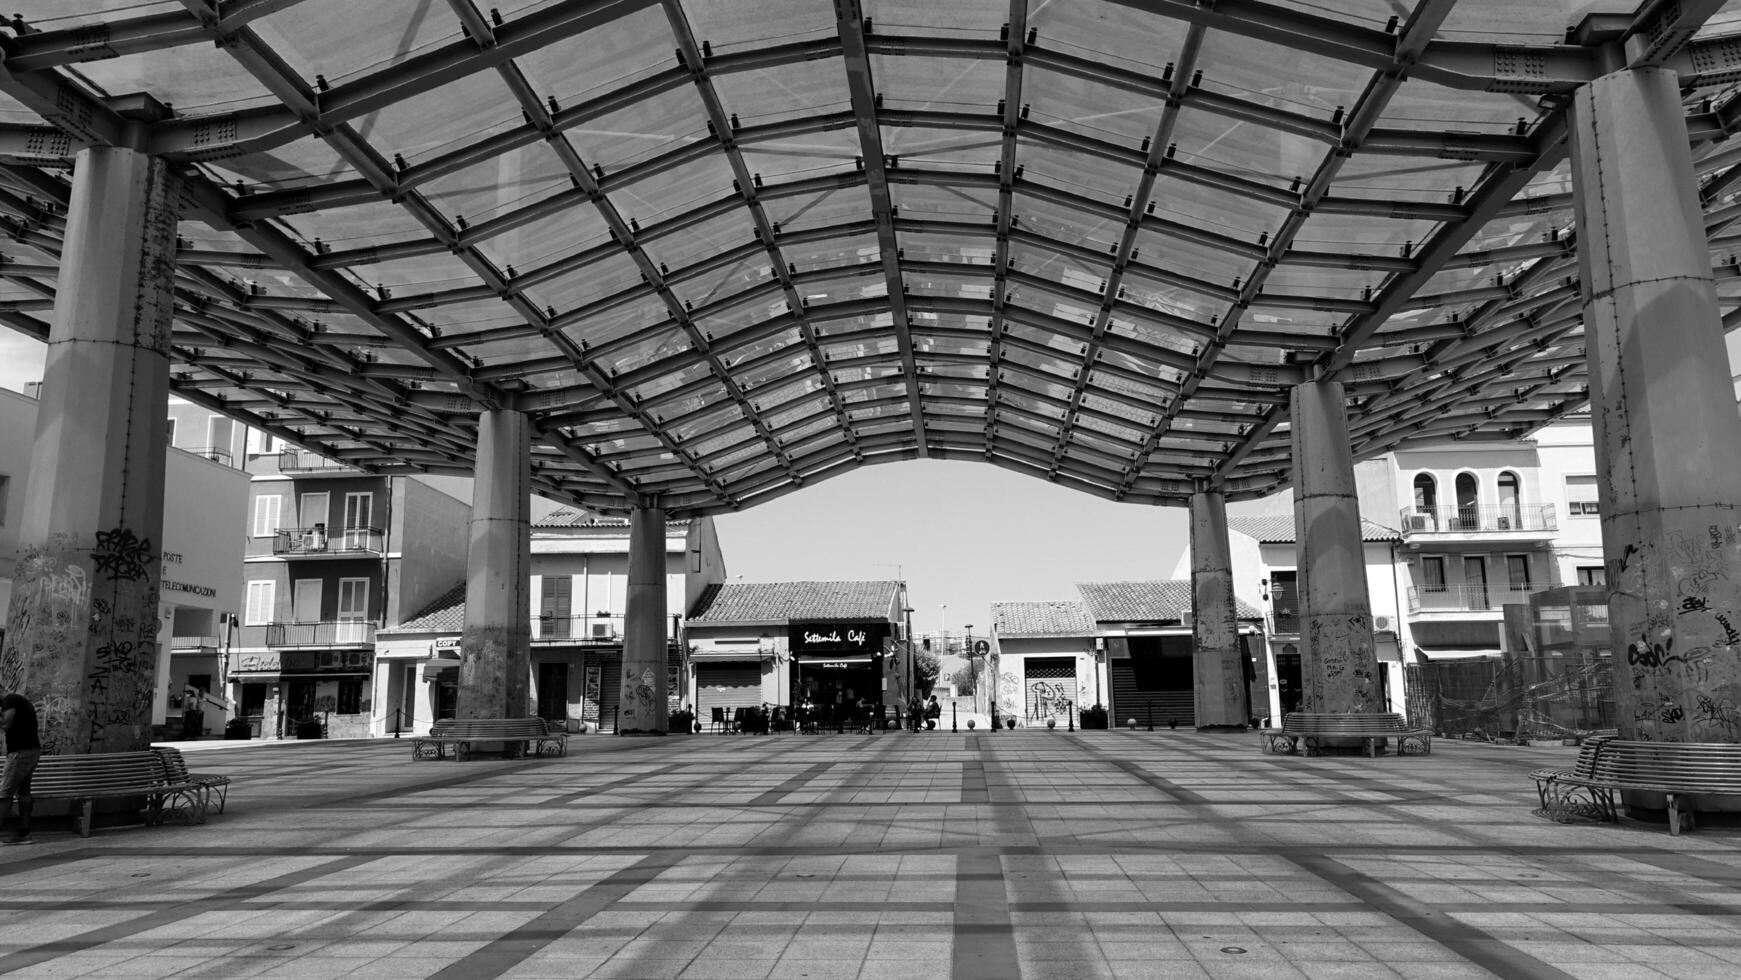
(1510, 501)
(1426, 499)
(1468, 502)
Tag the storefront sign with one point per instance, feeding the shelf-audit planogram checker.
(863, 637)
(204, 591)
(255, 661)
(301, 661)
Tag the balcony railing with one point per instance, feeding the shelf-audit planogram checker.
(1464, 520)
(184, 644)
(577, 629)
(325, 635)
(217, 454)
(302, 461)
(317, 540)
(1463, 598)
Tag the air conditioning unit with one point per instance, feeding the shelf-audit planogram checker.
(603, 631)
(1417, 522)
(1381, 623)
(1185, 617)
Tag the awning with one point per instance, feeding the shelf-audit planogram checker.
(824, 659)
(717, 655)
(1457, 654)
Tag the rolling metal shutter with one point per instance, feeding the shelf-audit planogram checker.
(1048, 687)
(729, 685)
(1131, 699)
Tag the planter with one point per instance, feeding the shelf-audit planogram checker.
(310, 729)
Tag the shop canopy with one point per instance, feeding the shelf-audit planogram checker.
(720, 250)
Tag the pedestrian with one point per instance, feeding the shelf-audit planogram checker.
(933, 711)
(23, 748)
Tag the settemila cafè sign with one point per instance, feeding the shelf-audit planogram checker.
(860, 637)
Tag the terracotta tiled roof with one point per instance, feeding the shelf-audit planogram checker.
(444, 615)
(576, 517)
(1279, 529)
(1147, 602)
(1064, 618)
(761, 602)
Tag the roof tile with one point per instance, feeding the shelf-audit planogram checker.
(1147, 602)
(444, 615)
(754, 602)
(1279, 529)
(1061, 618)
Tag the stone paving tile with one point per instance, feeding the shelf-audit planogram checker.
(1101, 855)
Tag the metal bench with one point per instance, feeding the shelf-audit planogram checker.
(84, 779)
(1566, 794)
(533, 733)
(1309, 730)
(211, 785)
(1681, 771)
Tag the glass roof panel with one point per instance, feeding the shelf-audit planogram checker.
(198, 79)
(802, 157)
(936, 84)
(547, 239)
(649, 127)
(358, 226)
(1247, 68)
(801, 90)
(1087, 107)
(305, 162)
(1245, 148)
(820, 210)
(1089, 176)
(513, 180)
(669, 193)
(444, 118)
(729, 24)
(341, 38)
(1107, 32)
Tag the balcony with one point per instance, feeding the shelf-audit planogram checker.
(316, 542)
(193, 644)
(1452, 520)
(319, 636)
(577, 629)
(217, 454)
(1463, 598)
(313, 464)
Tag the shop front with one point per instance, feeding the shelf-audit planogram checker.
(303, 693)
(838, 669)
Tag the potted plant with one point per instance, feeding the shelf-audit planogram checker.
(681, 722)
(1094, 717)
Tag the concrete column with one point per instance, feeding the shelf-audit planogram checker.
(81, 632)
(1666, 427)
(1218, 674)
(643, 690)
(495, 667)
(1337, 665)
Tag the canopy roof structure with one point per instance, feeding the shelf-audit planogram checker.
(719, 250)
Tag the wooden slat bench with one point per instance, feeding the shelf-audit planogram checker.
(460, 733)
(84, 779)
(1566, 794)
(1309, 729)
(212, 786)
(1681, 771)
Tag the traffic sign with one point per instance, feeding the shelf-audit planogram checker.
(981, 648)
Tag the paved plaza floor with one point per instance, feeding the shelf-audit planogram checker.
(1033, 854)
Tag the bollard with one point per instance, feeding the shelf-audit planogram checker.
(616, 716)
(1149, 711)
(1070, 713)
(398, 721)
(953, 726)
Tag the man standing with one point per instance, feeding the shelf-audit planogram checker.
(23, 748)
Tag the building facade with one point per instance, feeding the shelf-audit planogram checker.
(579, 589)
(828, 644)
(332, 555)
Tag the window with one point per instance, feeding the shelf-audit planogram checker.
(1594, 575)
(1517, 572)
(260, 602)
(266, 510)
(350, 697)
(260, 442)
(1433, 573)
(554, 608)
(1581, 496)
(169, 433)
(1510, 501)
(220, 433)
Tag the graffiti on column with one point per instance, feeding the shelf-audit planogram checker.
(638, 706)
(47, 625)
(1682, 658)
(119, 685)
(1341, 643)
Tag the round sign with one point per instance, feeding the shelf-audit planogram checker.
(981, 648)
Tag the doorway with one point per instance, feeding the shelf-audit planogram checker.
(553, 691)
(1289, 682)
(1475, 580)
